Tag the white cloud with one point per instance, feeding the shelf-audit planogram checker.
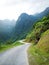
(11, 9)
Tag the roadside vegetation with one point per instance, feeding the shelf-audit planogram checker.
(38, 52)
(4, 47)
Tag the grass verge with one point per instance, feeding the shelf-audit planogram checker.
(37, 57)
(8, 46)
(39, 54)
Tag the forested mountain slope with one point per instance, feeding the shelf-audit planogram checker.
(39, 37)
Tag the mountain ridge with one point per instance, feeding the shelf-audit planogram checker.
(23, 25)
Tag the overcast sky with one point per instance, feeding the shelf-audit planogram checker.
(11, 9)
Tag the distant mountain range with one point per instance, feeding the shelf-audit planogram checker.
(42, 14)
(21, 28)
(6, 29)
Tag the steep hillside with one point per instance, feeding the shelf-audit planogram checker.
(39, 37)
(43, 43)
(40, 52)
(38, 28)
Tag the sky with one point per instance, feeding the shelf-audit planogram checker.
(11, 9)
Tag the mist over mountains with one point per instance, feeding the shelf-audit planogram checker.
(6, 29)
(42, 14)
(6, 25)
(18, 30)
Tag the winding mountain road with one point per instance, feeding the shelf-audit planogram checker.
(15, 56)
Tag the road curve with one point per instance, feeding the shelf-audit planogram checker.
(15, 56)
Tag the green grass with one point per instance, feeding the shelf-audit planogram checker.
(39, 54)
(43, 43)
(8, 46)
(38, 57)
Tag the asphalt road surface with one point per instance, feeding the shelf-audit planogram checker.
(15, 56)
